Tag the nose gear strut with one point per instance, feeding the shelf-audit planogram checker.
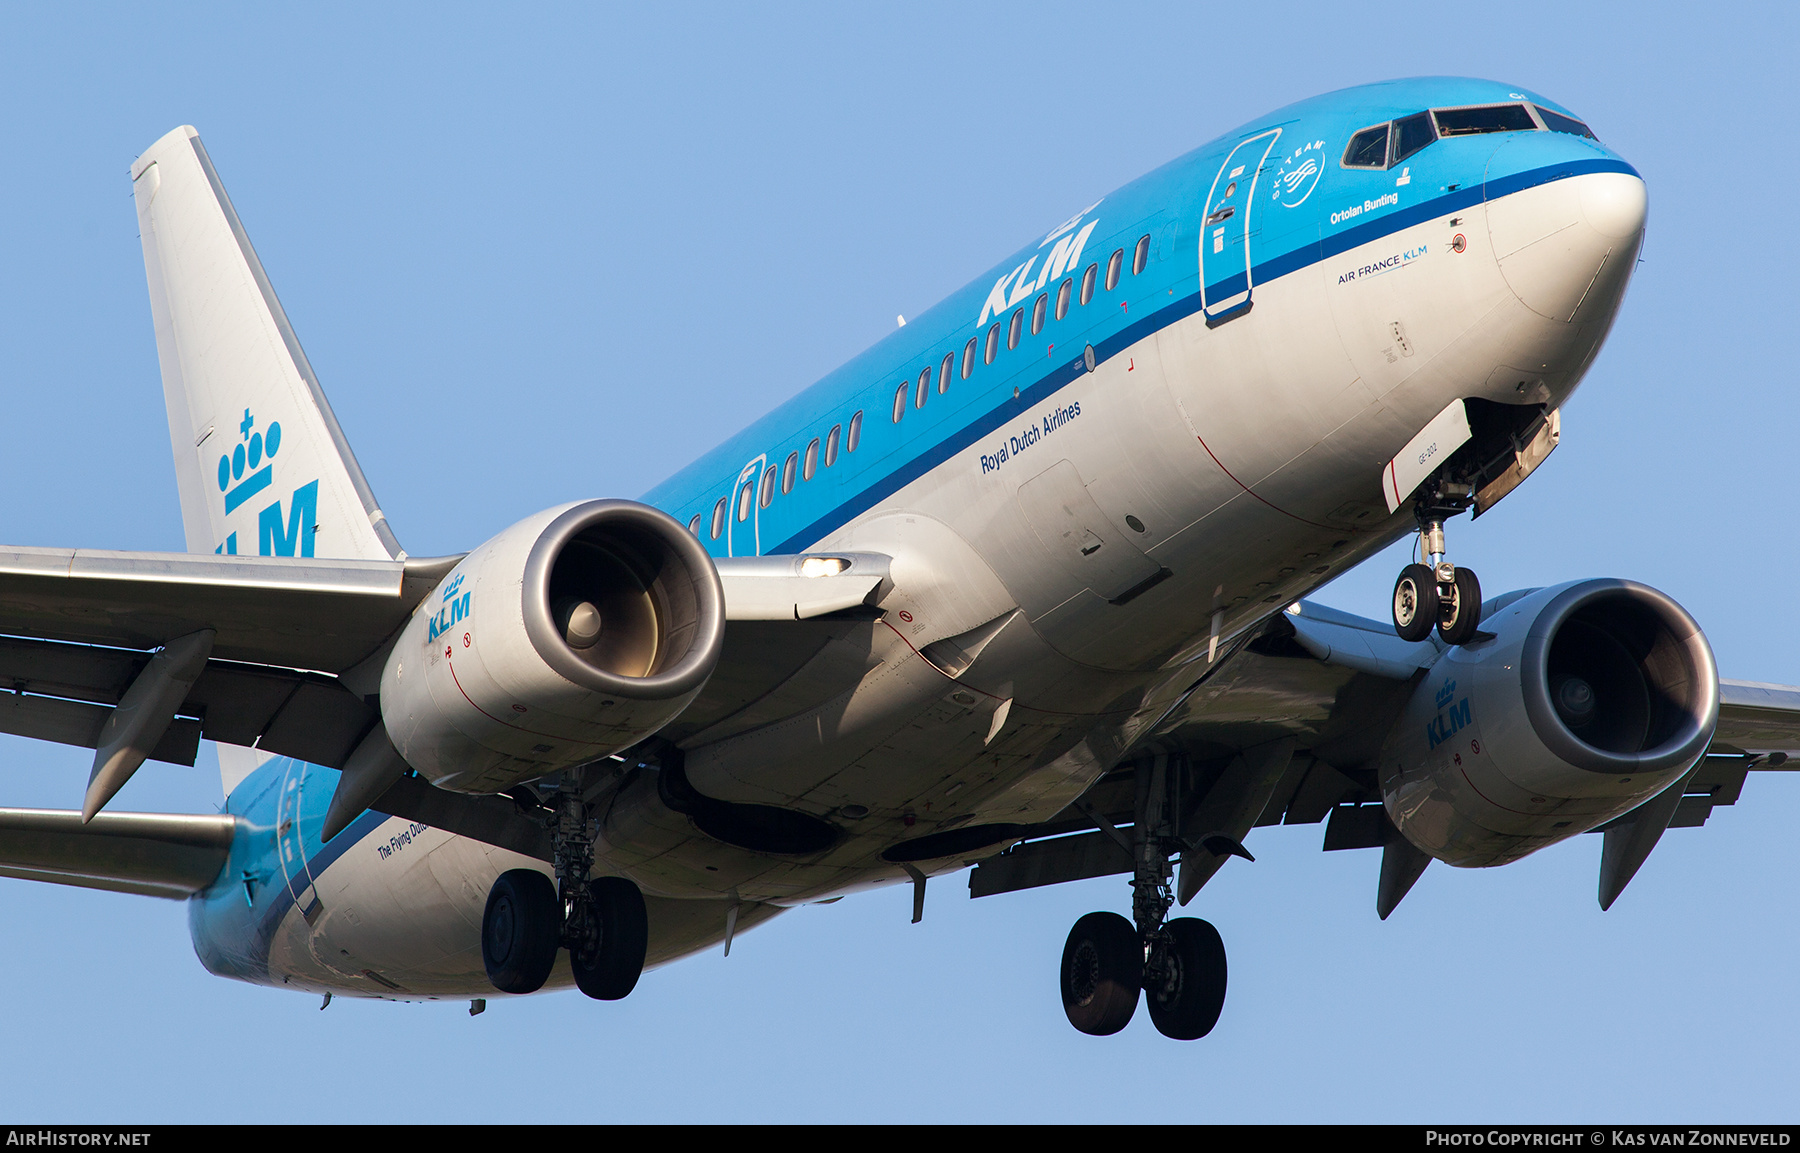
(1434, 593)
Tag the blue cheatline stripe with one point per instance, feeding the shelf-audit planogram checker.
(1010, 409)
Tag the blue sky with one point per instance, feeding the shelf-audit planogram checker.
(557, 253)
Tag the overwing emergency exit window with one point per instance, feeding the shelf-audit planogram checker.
(718, 518)
(1368, 148)
(1557, 122)
(768, 487)
(1493, 118)
(1412, 133)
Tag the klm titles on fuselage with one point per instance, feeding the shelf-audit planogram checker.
(243, 473)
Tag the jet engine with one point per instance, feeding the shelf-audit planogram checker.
(570, 636)
(1578, 704)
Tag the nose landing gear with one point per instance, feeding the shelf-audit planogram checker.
(601, 922)
(1436, 593)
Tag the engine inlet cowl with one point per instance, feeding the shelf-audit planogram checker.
(570, 636)
(1589, 699)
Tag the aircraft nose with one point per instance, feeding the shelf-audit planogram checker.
(1614, 204)
(1566, 247)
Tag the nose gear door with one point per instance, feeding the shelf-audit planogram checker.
(1226, 230)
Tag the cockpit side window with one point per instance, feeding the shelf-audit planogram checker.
(1493, 118)
(1412, 133)
(1368, 148)
(1557, 122)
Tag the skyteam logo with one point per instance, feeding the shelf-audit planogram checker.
(1299, 174)
(453, 608)
(248, 470)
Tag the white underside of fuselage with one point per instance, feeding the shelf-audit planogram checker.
(1249, 452)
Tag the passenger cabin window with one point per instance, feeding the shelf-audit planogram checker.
(1557, 122)
(855, 437)
(944, 371)
(1368, 148)
(1087, 282)
(1014, 329)
(788, 472)
(1141, 256)
(1494, 118)
(1062, 297)
(694, 525)
(812, 460)
(1112, 269)
(924, 389)
(746, 498)
(1038, 312)
(831, 444)
(993, 344)
(768, 487)
(900, 401)
(718, 518)
(968, 358)
(1411, 133)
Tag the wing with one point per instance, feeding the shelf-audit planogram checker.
(151, 854)
(298, 644)
(1284, 730)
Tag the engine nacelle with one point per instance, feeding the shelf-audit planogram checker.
(570, 636)
(1593, 697)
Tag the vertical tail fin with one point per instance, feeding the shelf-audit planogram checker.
(262, 465)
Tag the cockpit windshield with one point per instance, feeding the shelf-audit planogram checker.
(1386, 145)
(1493, 118)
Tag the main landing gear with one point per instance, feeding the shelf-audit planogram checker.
(601, 922)
(1179, 965)
(1436, 593)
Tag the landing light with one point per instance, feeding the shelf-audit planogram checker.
(819, 566)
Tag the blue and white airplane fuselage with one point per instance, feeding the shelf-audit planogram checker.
(1097, 467)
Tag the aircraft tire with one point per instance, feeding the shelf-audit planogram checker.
(1415, 602)
(610, 967)
(1102, 969)
(1188, 1005)
(1458, 621)
(520, 929)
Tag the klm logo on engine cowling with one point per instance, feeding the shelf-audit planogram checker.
(1449, 721)
(453, 609)
(247, 471)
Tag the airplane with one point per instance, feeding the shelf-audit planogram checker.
(1025, 607)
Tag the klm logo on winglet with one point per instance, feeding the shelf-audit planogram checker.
(453, 610)
(248, 470)
(1446, 724)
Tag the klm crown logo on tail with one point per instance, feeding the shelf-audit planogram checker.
(248, 470)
